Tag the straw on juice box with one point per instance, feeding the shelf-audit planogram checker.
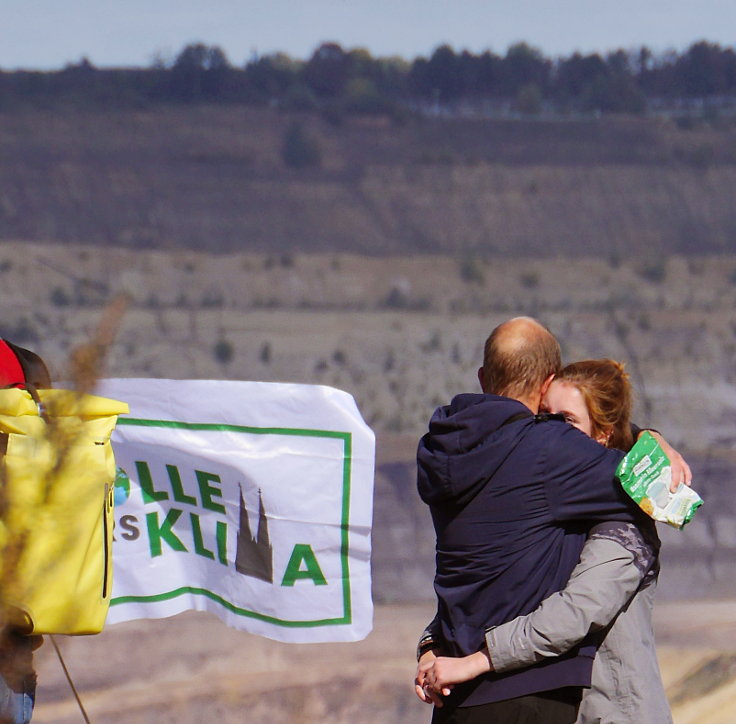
(645, 475)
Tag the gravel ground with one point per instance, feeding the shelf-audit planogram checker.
(192, 668)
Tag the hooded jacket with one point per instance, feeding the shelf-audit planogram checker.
(511, 504)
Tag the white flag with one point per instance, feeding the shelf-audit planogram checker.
(251, 500)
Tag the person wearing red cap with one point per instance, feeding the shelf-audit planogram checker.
(19, 367)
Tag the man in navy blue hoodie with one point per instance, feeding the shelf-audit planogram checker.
(512, 496)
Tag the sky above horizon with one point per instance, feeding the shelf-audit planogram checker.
(48, 34)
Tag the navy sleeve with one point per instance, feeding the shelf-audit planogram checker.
(580, 478)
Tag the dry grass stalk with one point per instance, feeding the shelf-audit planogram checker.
(21, 514)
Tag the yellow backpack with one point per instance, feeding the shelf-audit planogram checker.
(56, 505)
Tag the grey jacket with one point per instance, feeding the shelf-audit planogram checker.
(612, 588)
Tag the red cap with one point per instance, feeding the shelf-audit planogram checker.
(11, 372)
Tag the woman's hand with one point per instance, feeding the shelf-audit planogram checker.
(421, 684)
(681, 472)
(441, 673)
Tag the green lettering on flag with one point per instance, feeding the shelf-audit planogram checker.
(207, 491)
(199, 548)
(157, 534)
(146, 482)
(176, 487)
(221, 538)
(303, 554)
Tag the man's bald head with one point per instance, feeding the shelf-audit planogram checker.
(519, 356)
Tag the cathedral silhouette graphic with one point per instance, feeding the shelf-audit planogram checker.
(254, 555)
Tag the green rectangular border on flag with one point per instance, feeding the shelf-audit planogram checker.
(346, 437)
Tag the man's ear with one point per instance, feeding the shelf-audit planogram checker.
(481, 379)
(546, 384)
(604, 436)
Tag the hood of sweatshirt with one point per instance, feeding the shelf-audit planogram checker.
(468, 440)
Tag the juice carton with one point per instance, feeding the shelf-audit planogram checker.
(645, 475)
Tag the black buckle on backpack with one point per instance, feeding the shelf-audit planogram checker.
(539, 417)
(546, 416)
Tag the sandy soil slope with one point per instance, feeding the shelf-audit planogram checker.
(191, 668)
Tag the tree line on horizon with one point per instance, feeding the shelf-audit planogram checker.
(335, 80)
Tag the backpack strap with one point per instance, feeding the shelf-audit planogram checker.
(547, 416)
(30, 388)
(539, 417)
